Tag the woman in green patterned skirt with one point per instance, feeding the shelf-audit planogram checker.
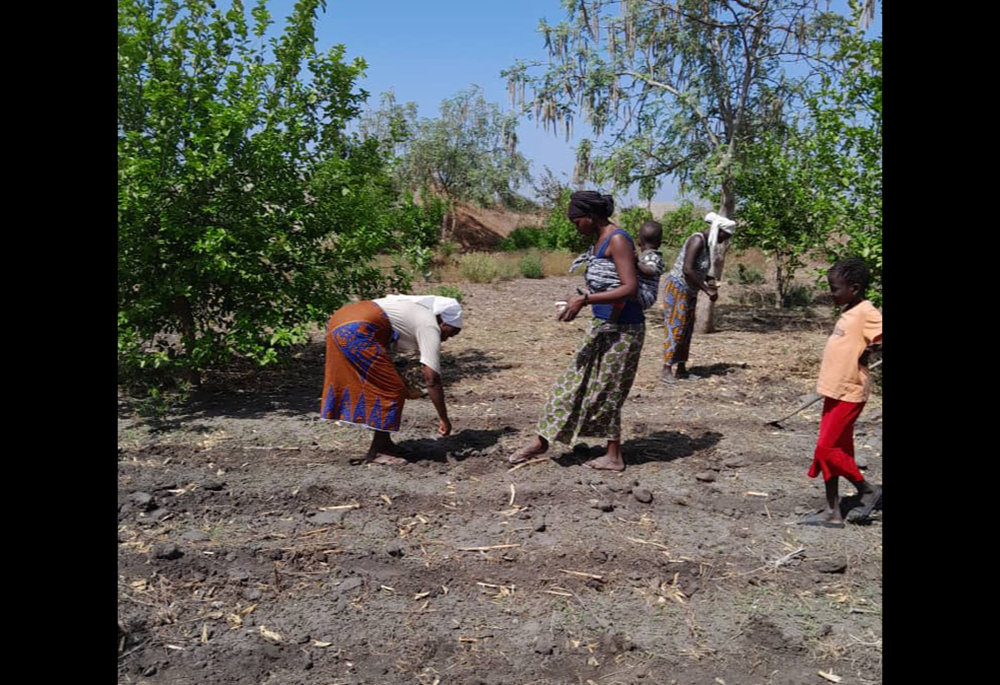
(586, 401)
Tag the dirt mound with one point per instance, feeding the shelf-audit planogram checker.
(483, 229)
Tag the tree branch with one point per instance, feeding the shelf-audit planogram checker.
(679, 95)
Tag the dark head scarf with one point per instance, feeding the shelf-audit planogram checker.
(587, 202)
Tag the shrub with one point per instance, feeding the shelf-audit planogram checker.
(449, 291)
(747, 275)
(530, 266)
(522, 238)
(448, 249)
(798, 296)
(632, 219)
(479, 267)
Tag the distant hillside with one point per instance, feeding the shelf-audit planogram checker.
(483, 229)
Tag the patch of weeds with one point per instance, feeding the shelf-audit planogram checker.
(798, 296)
(157, 404)
(747, 275)
(530, 266)
(449, 291)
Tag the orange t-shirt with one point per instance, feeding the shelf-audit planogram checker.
(841, 377)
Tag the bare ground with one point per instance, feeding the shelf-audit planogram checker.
(252, 550)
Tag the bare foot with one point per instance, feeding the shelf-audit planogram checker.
(386, 459)
(384, 451)
(535, 448)
(824, 519)
(606, 463)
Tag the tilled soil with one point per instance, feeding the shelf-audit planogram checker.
(253, 549)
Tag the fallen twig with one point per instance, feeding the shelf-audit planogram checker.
(639, 541)
(486, 548)
(527, 463)
(781, 561)
(131, 650)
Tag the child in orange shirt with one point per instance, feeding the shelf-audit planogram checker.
(845, 384)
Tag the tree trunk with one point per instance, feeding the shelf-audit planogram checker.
(779, 280)
(704, 318)
(453, 215)
(189, 337)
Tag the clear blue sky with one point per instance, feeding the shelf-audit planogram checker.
(426, 51)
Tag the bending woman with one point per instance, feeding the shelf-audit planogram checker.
(680, 292)
(361, 385)
(586, 401)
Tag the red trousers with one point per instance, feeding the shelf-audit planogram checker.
(834, 454)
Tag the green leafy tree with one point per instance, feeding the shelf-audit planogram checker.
(781, 209)
(392, 124)
(468, 154)
(559, 232)
(846, 140)
(681, 222)
(245, 214)
(632, 219)
(675, 88)
(809, 188)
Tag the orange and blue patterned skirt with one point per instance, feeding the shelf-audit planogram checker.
(361, 384)
(679, 302)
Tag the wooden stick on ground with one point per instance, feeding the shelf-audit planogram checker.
(582, 574)
(647, 542)
(527, 463)
(486, 548)
(781, 561)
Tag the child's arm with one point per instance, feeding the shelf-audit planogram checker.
(647, 270)
(874, 348)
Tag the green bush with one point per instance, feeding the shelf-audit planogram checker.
(747, 275)
(448, 249)
(419, 225)
(679, 223)
(632, 219)
(479, 267)
(798, 296)
(530, 266)
(449, 291)
(559, 233)
(522, 238)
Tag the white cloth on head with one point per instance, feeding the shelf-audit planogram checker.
(718, 223)
(449, 310)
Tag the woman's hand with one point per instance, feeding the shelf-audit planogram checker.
(444, 427)
(711, 288)
(573, 307)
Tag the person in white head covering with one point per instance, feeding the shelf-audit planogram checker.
(693, 271)
(361, 385)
